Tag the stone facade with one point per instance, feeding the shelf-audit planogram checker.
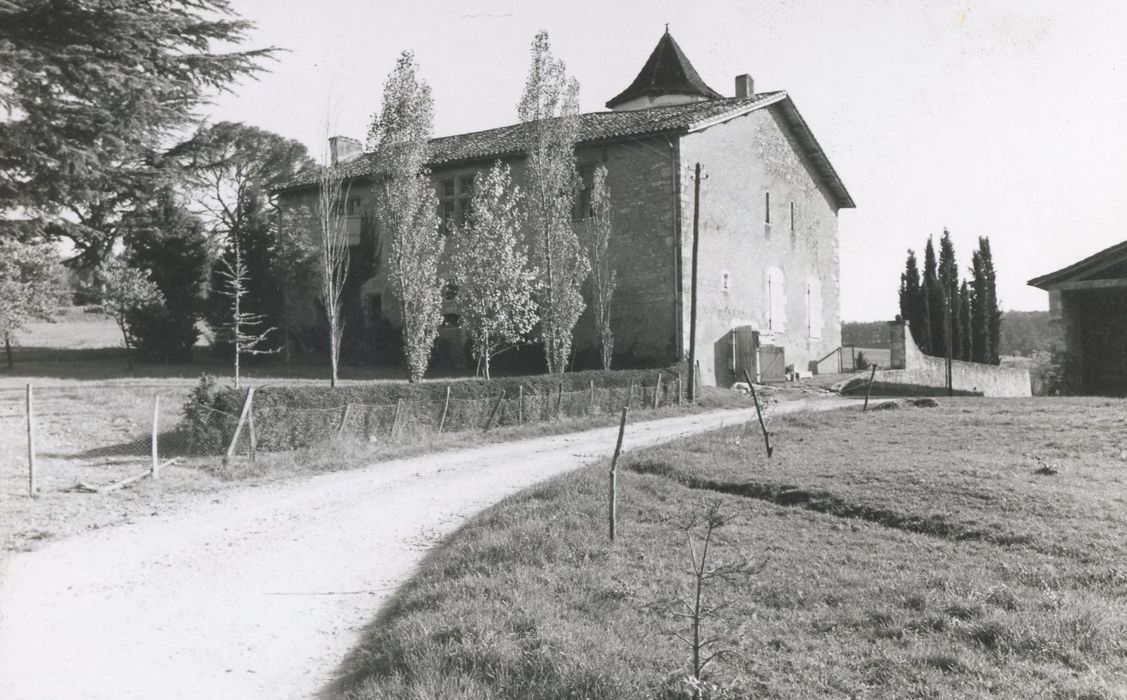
(768, 244)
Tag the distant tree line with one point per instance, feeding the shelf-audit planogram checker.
(949, 315)
(1023, 333)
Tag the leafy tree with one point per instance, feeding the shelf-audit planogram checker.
(91, 90)
(489, 265)
(549, 108)
(406, 209)
(168, 243)
(32, 286)
(597, 242)
(244, 332)
(122, 292)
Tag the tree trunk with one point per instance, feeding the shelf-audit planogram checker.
(8, 349)
(128, 347)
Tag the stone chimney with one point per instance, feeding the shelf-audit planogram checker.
(745, 86)
(343, 149)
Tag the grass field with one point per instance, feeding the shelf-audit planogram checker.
(974, 549)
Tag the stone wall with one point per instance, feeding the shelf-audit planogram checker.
(781, 276)
(914, 373)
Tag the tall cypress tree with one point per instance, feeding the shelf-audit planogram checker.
(949, 284)
(966, 336)
(934, 294)
(992, 308)
(979, 319)
(913, 303)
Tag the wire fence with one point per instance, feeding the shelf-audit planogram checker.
(95, 437)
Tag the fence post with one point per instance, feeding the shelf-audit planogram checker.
(678, 388)
(591, 408)
(869, 388)
(696, 381)
(630, 394)
(253, 436)
(559, 400)
(520, 405)
(31, 485)
(239, 426)
(493, 413)
(155, 450)
(344, 420)
(657, 390)
(445, 408)
(613, 515)
(759, 413)
(395, 421)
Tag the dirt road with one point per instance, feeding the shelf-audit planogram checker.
(259, 593)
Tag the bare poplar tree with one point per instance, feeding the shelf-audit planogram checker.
(596, 239)
(489, 264)
(240, 330)
(549, 108)
(407, 209)
(332, 222)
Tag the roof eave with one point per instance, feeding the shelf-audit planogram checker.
(1092, 263)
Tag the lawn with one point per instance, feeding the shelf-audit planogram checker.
(977, 548)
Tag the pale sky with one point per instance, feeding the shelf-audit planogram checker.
(1005, 119)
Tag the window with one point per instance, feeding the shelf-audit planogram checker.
(775, 301)
(725, 282)
(451, 320)
(455, 197)
(450, 291)
(354, 204)
(814, 307)
(582, 208)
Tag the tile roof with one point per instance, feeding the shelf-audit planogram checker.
(595, 127)
(666, 72)
(1083, 269)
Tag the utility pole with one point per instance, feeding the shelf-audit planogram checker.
(947, 332)
(693, 290)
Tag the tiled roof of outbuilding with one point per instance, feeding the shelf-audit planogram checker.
(595, 127)
(1088, 268)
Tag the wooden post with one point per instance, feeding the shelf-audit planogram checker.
(869, 388)
(657, 390)
(156, 417)
(591, 408)
(696, 380)
(31, 485)
(693, 370)
(239, 426)
(253, 436)
(678, 388)
(395, 420)
(614, 475)
(630, 394)
(344, 420)
(493, 413)
(445, 408)
(759, 413)
(520, 405)
(559, 400)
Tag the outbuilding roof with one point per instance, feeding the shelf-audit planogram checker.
(596, 127)
(666, 72)
(1085, 269)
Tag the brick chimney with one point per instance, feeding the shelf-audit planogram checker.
(745, 86)
(343, 149)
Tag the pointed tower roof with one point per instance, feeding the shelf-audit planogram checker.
(667, 72)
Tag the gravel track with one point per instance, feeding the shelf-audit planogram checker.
(260, 592)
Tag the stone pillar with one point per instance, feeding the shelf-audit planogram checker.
(897, 332)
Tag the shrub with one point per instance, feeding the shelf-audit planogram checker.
(205, 422)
